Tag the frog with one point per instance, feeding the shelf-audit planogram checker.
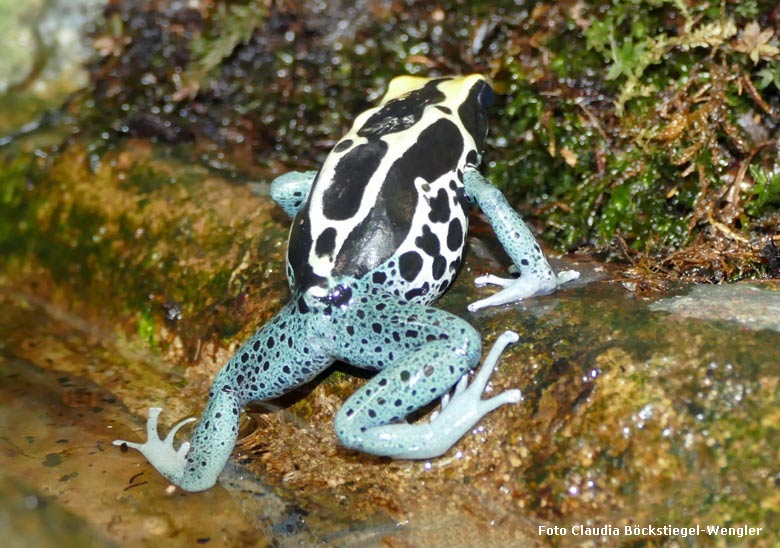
(377, 235)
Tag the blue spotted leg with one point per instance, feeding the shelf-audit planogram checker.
(421, 353)
(268, 365)
(536, 275)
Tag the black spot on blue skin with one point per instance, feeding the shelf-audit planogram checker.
(244, 357)
(326, 242)
(341, 199)
(379, 277)
(402, 113)
(405, 376)
(455, 235)
(410, 264)
(372, 413)
(377, 328)
(524, 262)
(270, 342)
(343, 145)
(473, 112)
(428, 242)
(350, 330)
(440, 207)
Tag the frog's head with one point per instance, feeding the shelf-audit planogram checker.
(469, 96)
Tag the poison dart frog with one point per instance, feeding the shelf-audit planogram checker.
(377, 235)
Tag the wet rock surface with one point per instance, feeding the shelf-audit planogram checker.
(630, 416)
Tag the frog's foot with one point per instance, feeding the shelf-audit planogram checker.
(371, 420)
(161, 453)
(471, 397)
(517, 289)
(461, 411)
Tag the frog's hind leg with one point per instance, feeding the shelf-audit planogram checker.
(423, 353)
(276, 359)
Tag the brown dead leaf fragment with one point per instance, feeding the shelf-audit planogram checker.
(755, 43)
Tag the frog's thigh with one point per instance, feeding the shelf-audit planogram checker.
(291, 190)
(277, 358)
(422, 353)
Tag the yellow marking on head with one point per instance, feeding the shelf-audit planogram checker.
(401, 85)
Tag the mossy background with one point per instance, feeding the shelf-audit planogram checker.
(648, 122)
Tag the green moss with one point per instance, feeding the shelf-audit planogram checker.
(147, 328)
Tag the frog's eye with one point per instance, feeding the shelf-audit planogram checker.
(485, 96)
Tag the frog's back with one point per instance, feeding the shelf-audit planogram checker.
(389, 199)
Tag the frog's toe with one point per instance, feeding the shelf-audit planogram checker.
(468, 401)
(481, 379)
(517, 289)
(566, 276)
(161, 454)
(490, 279)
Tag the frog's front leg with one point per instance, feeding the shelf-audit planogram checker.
(291, 190)
(536, 275)
(279, 357)
(423, 353)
